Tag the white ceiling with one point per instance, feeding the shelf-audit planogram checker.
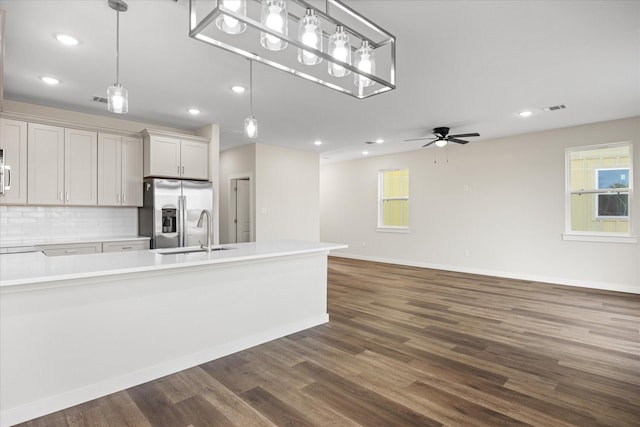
(468, 65)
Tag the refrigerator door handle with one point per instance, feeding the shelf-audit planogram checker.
(183, 225)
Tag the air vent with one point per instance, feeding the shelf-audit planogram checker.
(556, 107)
(99, 99)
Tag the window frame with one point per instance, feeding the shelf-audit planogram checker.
(599, 236)
(610, 192)
(381, 199)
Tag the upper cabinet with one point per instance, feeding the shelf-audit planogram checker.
(175, 156)
(119, 170)
(13, 140)
(62, 166)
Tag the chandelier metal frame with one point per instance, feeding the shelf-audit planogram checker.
(203, 14)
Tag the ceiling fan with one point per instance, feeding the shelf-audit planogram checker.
(441, 137)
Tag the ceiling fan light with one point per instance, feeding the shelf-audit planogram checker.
(340, 49)
(229, 24)
(309, 34)
(274, 16)
(441, 142)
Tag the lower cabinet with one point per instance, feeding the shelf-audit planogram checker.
(125, 245)
(71, 249)
(94, 247)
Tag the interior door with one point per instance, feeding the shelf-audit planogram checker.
(243, 214)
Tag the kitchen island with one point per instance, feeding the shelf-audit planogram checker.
(79, 327)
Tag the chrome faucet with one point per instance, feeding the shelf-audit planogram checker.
(199, 225)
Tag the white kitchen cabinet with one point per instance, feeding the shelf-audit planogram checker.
(175, 156)
(45, 150)
(125, 245)
(119, 170)
(62, 166)
(194, 159)
(13, 140)
(71, 249)
(80, 167)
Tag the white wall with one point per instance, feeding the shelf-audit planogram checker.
(234, 163)
(287, 194)
(285, 185)
(510, 220)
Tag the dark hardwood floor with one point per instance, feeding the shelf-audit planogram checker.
(411, 346)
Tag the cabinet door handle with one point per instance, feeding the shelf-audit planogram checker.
(7, 168)
(183, 170)
(178, 169)
(124, 198)
(60, 196)
(124, 248)
(67, 196)
(70, 251)
(118, 197)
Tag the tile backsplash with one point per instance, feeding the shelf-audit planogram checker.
(44, 222)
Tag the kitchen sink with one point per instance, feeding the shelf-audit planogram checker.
(189, 250)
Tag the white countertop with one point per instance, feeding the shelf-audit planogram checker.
(35, 267)
(33, 242)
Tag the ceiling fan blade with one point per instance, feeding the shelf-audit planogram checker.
(419, 139)
(429, 143)
(459, 141)
(464, 135)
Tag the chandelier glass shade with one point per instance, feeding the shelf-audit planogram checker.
(339, 49)
(310, 34)
(334, 34)
(274, 17)
(117, 95)
(229, 24)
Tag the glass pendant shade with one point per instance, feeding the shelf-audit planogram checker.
(310, 34)
(364, 61)
(340, 49)
(251, 127)
(117, 99)
(441, 142)
(274, 16)
(229, 24)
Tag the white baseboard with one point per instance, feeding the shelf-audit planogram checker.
(509, 275)
(52, 404)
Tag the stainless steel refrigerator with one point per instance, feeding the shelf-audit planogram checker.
(171, 210)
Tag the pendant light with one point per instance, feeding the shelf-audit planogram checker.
(340, 49)
(250, 123)
(229, 24)
(364, 61)
(274, 16)
(310, 34)
(117, 95)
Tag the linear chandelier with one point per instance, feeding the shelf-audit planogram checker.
(335, 47)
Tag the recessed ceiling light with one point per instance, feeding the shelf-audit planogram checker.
(67, 40)
(193, 111)
(379, 141)
(525, 113)
(364, 153)
(317, 142)
(50, 80)
(238, 89)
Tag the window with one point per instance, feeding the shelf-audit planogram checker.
(599, 192)
(393, 195)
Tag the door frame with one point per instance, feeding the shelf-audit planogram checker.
(252, 223)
